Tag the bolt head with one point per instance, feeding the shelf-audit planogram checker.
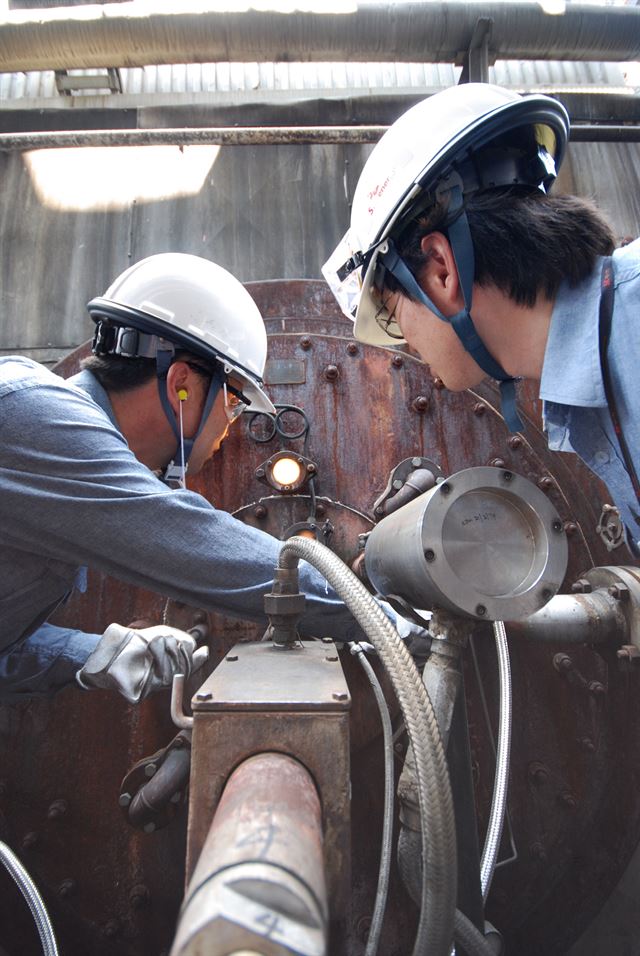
(538, 852)
(619, 591)
(538, 773)
(562, 662)
(568, 800)
(139, 896)
(57, 809)
(30, 839)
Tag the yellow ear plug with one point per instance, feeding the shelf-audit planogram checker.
(183, 394)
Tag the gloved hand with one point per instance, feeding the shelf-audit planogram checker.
(138, 662)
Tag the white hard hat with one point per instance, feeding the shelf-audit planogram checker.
(487, 135)
(193, 304)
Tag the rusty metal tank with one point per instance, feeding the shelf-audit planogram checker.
(573, 813)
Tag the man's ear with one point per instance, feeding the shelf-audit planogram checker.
(177, 381)
(439, 275)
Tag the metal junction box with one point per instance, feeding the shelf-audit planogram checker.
(264, 699)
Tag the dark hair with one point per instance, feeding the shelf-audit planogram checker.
(117, 374)
(525, 242)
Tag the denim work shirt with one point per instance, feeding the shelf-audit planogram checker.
(73, 495)
(575, 410)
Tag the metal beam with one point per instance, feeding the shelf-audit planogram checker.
(127, 35)
(254, 135)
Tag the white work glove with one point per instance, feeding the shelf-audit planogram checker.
(138, 662)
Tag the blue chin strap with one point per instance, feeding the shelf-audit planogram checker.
(177, 467)
(462, 323)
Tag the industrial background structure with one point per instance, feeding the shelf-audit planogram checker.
(128, 129)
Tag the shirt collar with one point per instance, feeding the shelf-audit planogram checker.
(571, 372)
(87, 381)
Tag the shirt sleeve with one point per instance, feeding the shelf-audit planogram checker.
(76, 494)
(44, 662)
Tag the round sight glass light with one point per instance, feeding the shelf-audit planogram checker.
(286, 471)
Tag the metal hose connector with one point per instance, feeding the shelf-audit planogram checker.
(501, 781)
(439, 883)
(34, 901)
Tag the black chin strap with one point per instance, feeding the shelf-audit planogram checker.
(461, 323)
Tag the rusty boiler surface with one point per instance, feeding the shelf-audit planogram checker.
(574, 819)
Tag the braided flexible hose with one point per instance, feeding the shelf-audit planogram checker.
(439, 883)
(32, 897)
(501, 783)
(373, 939)
(470, 938)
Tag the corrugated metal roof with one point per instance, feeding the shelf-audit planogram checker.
(197, 80)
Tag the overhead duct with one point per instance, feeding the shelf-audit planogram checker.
(129, 35)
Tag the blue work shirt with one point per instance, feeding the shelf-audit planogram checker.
(575, 410)
(73, 495)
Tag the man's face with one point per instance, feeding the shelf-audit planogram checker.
(435, 342)
(215, 429)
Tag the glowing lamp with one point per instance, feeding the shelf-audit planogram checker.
(286, 471)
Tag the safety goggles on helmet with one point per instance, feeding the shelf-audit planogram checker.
(343, 272)
(235, 403)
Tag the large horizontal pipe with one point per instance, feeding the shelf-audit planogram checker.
(260, 876)
(252, 135)
(595, 618)
(128, 35)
